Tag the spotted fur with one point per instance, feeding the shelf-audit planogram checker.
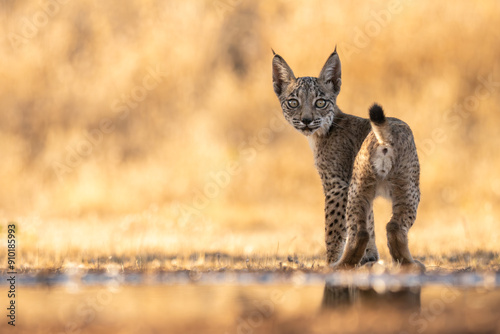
(357, 159)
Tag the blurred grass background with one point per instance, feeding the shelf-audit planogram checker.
(150, 128)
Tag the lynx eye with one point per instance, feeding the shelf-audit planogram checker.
(293, 103)
(320, 103)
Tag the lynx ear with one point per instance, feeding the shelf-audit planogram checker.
(282, 75)
(331, 74)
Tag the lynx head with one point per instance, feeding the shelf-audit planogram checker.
(308, 103)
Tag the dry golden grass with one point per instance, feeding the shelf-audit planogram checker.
(137, 194)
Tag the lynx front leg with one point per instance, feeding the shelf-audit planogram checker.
(335, 225)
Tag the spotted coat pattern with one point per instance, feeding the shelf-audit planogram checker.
(357, 159)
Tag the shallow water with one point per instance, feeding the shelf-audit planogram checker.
(379, 281)
(261, 302)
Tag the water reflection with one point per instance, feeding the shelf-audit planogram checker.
(402, 298)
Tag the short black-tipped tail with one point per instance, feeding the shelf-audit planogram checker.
(377, 114)
(379, 125)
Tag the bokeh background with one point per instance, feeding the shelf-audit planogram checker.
(149, 132)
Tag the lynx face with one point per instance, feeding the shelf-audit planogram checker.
(308, 103)
(308, 107)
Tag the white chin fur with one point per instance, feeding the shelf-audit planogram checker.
(309, 132)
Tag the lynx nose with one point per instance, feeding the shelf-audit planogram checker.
(306, 120)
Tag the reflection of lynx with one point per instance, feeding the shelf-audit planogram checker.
(342, 296)
(357, 159)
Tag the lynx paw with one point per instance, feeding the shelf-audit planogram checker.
(414, 267)
(342, 266)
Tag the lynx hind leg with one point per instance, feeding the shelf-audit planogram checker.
(371, 252)
(361, 195)
(405, 201)
(354, 250)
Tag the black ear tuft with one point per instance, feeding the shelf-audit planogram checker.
(274, 53)
(377, 114)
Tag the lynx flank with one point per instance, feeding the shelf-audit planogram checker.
(357, 160)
